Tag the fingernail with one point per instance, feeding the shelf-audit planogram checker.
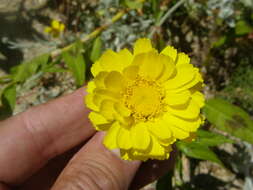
(101, 136)
(116, 152)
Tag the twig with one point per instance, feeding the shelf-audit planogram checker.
(93, 34)
(165, 16)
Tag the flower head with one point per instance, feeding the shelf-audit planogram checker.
(55, 29)
(145, 100)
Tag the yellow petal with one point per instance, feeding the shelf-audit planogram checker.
(179, 133)
(110, 139)
(99, 122)
(114, 81)
(189, 111)
(156, 148)
(185, 124)
(160, 129)
(170, 51)
(174, 98)
(62, 27)
(169, 69)
(131, 72)
(191, 84)
(96, 68)
(142, 45)
(89, 102)
(122, 110)
(185, 74)
(48, 29)
(199, 98)
(91, 86)
(55, 24)
(150, 65)
(125, 58)
(140, 137)
(99, 79)
(124, 140)
(112, 61)
(107, 109)
(182, 58)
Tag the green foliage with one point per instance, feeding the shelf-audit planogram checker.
(211, 139)
(96, 49)
(27, 69)
(229, 118)
(242, 28)
(221, 41)
(133, 4)
(8, 100)
(198, 151)
(76, 64)
(200, 148)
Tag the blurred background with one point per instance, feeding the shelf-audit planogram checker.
(47, 49)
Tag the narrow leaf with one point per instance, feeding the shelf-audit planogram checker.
(76, 64)
(96, 49)
(198, 151)
(211, 139)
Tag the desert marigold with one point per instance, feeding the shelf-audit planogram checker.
(145, 100)
(55, 29)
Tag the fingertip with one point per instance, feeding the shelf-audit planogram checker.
(109, 170)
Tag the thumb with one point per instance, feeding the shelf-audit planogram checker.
(95, 168)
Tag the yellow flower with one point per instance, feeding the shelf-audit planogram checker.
(55, 29)
(145, 100)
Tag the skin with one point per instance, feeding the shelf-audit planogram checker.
(54, 146)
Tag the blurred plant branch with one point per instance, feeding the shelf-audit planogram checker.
(93, 34)
(165, 17)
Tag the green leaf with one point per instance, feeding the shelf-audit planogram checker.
(27, 69)
(211, 139)
(198, 151)
(242, 28)
(8, 99)
(220, 42)
(134, 4)
(96, 49)
(55, 69)
(76, 64)
(165, 182)
(229, 118)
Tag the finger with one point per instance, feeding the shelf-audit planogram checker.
(94, 167)
(148, 172)
(46, 176)
(28, 140)
(152, 170)
(3, 187)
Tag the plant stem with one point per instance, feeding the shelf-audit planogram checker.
(165, 16)
(93, 34)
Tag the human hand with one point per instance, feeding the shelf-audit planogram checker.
(34, 145)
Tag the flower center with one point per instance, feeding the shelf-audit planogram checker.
(144, 98)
